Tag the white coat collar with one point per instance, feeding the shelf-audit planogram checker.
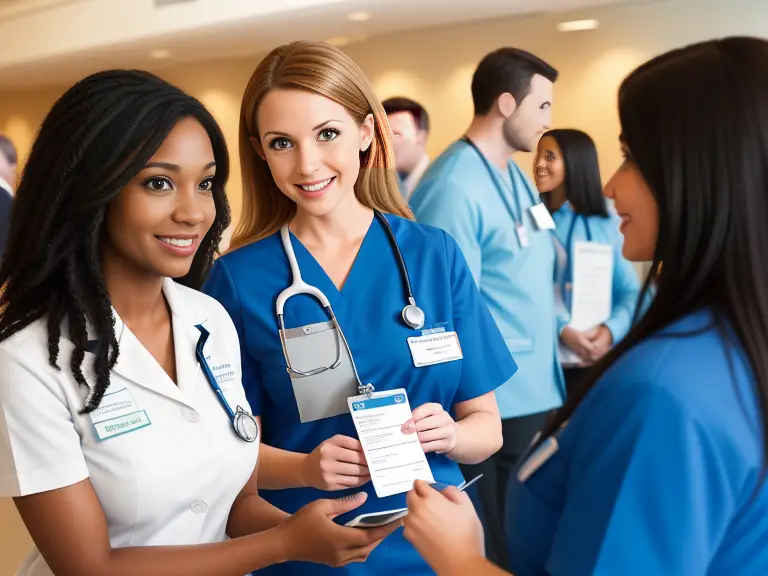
(136, 364)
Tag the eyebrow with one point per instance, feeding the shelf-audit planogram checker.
(173, 167)
(314, 129)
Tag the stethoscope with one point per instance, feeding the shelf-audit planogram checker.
(243, 423)
(517, 215)
(412, 315)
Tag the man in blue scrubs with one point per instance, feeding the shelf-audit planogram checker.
(477, 194)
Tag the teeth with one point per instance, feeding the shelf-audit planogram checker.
(177, 241)
(316, 187)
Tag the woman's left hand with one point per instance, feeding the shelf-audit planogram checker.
(443, 527)
(436, 428)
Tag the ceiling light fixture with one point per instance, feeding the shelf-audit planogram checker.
(160, 54)
(577, 25)
(359, 16)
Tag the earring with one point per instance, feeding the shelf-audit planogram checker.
(365, 147)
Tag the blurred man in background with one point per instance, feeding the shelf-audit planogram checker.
(8, 162)
(410, 127)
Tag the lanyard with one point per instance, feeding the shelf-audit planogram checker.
(567, 276)
(494, 177)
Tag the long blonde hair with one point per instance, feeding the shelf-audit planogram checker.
(325, 70)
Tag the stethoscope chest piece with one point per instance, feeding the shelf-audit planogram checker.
(413, 316)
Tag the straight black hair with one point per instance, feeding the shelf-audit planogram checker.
(695, 121)
(506, 70)
(583, 186)
(94, 140)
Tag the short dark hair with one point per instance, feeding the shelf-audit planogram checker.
(583, 186)
(8, 150)
(94, 140)
(506, 70)
(402, 104)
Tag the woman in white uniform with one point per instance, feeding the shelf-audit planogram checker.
(126, 439)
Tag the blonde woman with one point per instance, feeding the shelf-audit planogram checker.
(322, 206)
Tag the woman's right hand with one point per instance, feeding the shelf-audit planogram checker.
(336, 464)
(311, 535)
(578, 342)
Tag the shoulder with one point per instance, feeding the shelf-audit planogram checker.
(204, 309)
(454, 170)
(419, 237)
(692, 366)
(251, 256)
(29, 345)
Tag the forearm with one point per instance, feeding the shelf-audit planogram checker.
(252, 514)
(280, 469)
(478, 436)
(231, 558)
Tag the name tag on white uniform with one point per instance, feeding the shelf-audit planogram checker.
(118, 414)
(435, 349)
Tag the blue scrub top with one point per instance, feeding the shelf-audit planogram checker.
(657, 469)
(571, 228)
(247, 282)
(478, 205)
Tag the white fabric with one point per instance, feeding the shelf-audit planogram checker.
(170, 483)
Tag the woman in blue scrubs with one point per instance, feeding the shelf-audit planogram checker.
(568, 177)
(317, 159)
(657, 464)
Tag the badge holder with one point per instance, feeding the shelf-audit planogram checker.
(522, 235)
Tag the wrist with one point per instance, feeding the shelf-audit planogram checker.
(282, 543)
(300, 475)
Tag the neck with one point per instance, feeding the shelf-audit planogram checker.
(136, 295)
(347, 222)
(557, 198)
(487, 133)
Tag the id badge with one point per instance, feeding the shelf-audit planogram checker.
(395, 460)
(541, 217)
(118, 414)
(522, 235)
(435, 348)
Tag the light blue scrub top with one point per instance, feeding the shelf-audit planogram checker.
(571, 228)
(247, 282)
(479, 207)
(656, 470)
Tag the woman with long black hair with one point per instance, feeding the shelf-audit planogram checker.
(568, 178)
(126, 439)
(657, 464)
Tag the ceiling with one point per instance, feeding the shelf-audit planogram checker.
(58, 41)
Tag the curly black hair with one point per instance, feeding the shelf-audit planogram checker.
(95, 139)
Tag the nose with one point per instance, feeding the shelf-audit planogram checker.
(189, 206)
(309, 159)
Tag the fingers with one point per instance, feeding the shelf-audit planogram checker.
(342, 505)
(438, 420)
(441, 433)
(347, 481)
(346, 442)
(425, 410)
(421, 489)
(456, 496)
(341, 468)
(338, 454)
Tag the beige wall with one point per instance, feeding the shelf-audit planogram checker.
(435, 67)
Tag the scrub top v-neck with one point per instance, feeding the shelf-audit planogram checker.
(247, 282)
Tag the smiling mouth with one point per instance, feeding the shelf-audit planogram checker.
(181, 242)
(317, 186)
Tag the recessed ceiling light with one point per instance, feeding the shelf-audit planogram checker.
(160, 54)
(577, 25)
(359, 16)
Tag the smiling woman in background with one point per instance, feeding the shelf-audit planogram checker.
(657, 465)
(568, 178)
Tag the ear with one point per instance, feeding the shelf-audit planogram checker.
(421, 137)
(256, 143)
(506, 104)
(367, 132)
